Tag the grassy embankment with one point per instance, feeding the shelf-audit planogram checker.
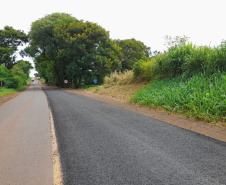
(199, 97)
(187, 79)
(6, 91)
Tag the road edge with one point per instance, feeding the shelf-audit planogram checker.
(57, 172)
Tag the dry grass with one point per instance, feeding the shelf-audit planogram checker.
(119, 78)
(119, 92)
(120, 86)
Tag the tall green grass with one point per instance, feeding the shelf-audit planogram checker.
(201, 96)
(182, 60)
(145, 69)
(5, 91)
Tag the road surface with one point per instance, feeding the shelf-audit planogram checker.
(100, 144)
(25, 140)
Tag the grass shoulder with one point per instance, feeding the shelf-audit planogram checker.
(5, 91)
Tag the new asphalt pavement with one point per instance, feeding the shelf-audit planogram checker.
(100, 144)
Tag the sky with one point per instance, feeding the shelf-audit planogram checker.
(149, 21)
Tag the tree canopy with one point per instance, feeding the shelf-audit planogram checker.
(132, 51)
(25, 66)
(67, 48)
(10, 39)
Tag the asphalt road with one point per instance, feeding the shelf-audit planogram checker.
(100, 144)
(25, 140)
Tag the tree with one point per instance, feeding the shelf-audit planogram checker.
(10, 39)
(43, 43)
(25, 66)
(132, 51)
(86, 48)
(45, 68)
(175, 41)
(76, 49)
(4, 73)
(18, 74)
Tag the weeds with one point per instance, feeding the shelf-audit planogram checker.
(182, 60)
(203, 97)
(188, 79)
(120, 78)
(5, 91)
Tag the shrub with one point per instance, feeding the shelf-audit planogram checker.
(18, 74)
(145, 70)
(12, 82)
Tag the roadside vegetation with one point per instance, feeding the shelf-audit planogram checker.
(120, 78)
(64, 47)
(200, 96)
(13, 74)
(14, 79)
(6, 91)
(186, 79)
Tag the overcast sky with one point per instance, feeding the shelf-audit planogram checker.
(145, 20)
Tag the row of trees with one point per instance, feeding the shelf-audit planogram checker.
(12, 73)
(64, 47)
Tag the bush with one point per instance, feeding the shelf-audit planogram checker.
(12, 82)
(18, 74)
(145, 70)
(13, 78)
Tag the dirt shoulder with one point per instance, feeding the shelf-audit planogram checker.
(121, 98)
(6, 98)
